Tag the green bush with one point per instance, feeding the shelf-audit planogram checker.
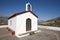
(31, 33)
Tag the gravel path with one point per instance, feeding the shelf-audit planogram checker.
(45, 34)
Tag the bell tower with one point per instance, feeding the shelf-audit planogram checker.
(28, 6)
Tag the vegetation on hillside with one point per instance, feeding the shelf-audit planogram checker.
(3, 20)
(53, 22)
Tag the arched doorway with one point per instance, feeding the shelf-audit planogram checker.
(28, 24)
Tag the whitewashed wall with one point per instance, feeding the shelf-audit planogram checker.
(21, 22)
(12, 25)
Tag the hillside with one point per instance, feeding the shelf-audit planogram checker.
(3, 20)
(52, 22)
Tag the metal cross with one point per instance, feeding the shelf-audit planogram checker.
(28, 0)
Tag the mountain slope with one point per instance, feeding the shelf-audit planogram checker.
(52, 22)
(3, 20)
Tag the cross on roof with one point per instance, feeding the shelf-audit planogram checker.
(28, 0)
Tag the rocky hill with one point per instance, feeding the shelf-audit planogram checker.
(3, 20)
(52, 22)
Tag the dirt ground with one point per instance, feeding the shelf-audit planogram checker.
(45, 34)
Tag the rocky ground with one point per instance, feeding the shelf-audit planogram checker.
(45, 34)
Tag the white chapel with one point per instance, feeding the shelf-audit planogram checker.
(23, 22)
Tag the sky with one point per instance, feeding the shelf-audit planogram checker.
(44, 9)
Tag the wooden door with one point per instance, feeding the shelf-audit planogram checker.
(28, 24)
